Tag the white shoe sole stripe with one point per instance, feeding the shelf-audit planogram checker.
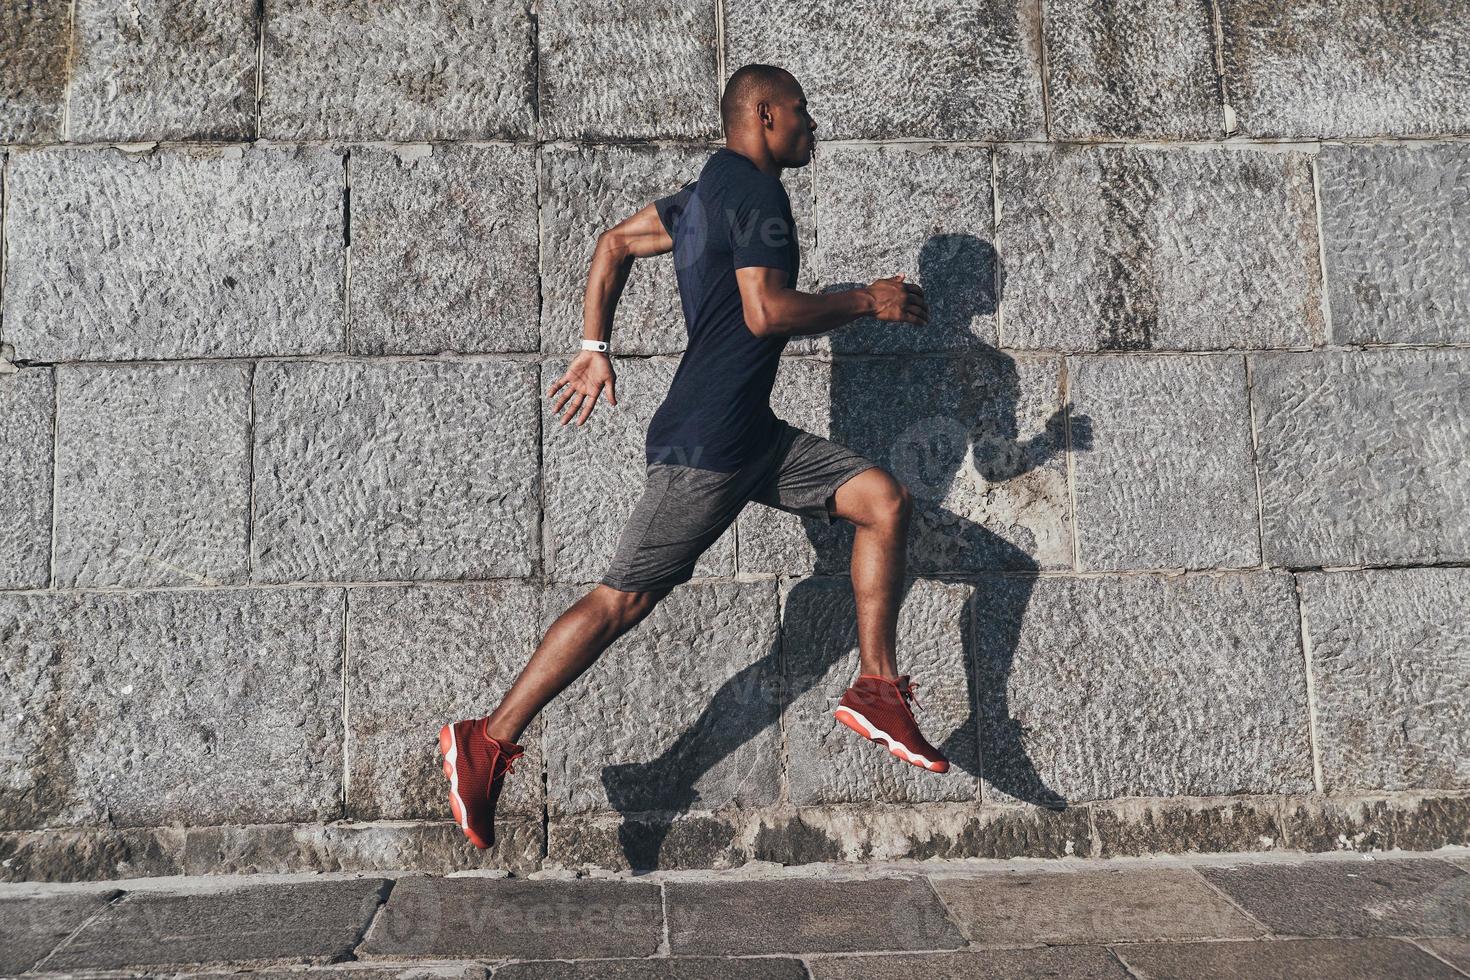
(453, 754)
(874, 732)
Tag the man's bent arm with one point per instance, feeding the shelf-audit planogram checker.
(774, 310)
(639, 236)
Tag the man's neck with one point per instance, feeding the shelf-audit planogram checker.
(757, 155)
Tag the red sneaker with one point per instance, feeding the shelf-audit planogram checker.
(476, 763)
(877, 708)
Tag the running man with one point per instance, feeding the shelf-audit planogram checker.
(714, 444)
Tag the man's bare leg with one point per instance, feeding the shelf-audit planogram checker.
(570, 646)
(879, 507)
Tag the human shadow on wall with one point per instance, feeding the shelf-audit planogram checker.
(920, 416)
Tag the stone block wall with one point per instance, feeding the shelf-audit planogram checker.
(283, 288)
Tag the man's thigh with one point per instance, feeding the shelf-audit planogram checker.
(808, 475)
(682, 511)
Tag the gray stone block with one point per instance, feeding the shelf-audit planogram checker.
(830, 763)
(585, 191)
(1394, 221)
(806, 916)
(1059, 908)
(296, 922)
(395, 470)
(444, 251)
(27, 405)
(889, 70)
(1166, 479)
(1351, 897)
(1363, 958)
(594, 473)
(1095, 688)
(1212, 825)
(659, 968)
(32, 927)
(1138, 69)
(487, 918)
(1390, 655)
(163, 70)
(193, 706)
(1357, 68)
(1362, 456)
(1134, 248)
(354, 69)
(33, 70)
(927, 212)
(977, 439)
(153, 474)
(653, 65)
(682, 709)
(1037, 963)
(1381, 822)
(180, 253)
(419, 657)
(1453, 951)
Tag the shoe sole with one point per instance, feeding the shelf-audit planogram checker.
(449, 748)
(855, 720)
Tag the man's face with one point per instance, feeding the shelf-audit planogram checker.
(793, 135)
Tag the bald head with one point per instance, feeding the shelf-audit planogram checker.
(749, 85)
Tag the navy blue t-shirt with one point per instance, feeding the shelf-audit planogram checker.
(717, 413)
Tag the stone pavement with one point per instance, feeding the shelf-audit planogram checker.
(1398, 914)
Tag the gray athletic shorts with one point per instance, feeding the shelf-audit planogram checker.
(683, 509)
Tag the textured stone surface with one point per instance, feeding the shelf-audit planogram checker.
(637, 841)
(993, 964)
(1107, 906)
(31, 928)
(163, 70)
(1351, 960)
(1403, 822)
(1168, 481)
(358, 69)
(190, 706)
(486, 917)
(28, 410)
(443, 249)
(178, 253)
(1352, 898)
(1390, 655)
(654, 65)
(1396, 225)
(662, 968)
(1198, 826)
(1095, 688)
(594, 473)
(33, 69)
(977, 439)
(1138, 69)
(394, 470)
(683, 708)
(419, 657)
(829, 763)
(810, 916)
(152, 474)
(891, 69)
(298, 922)
(1358, 68)
(1455, 951)
(1130, 248)
(926, 212)
(1364, 456)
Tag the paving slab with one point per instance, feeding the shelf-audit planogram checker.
(1091, 907)
(1453, 951)
(1352, 898)
(27, 404)
(462, 918)
(33, 71)
(1072, 962)
(296, 922)
(32, 927)
(665, 968)
(803, 915)
(1285, 959)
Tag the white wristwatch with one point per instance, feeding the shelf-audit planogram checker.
(594, 344)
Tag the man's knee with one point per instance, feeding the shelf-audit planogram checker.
(883, 500)
(627, 609)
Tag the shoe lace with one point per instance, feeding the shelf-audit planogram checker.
(906, 688)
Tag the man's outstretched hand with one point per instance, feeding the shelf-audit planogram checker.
(900, 301)
(588, 376)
